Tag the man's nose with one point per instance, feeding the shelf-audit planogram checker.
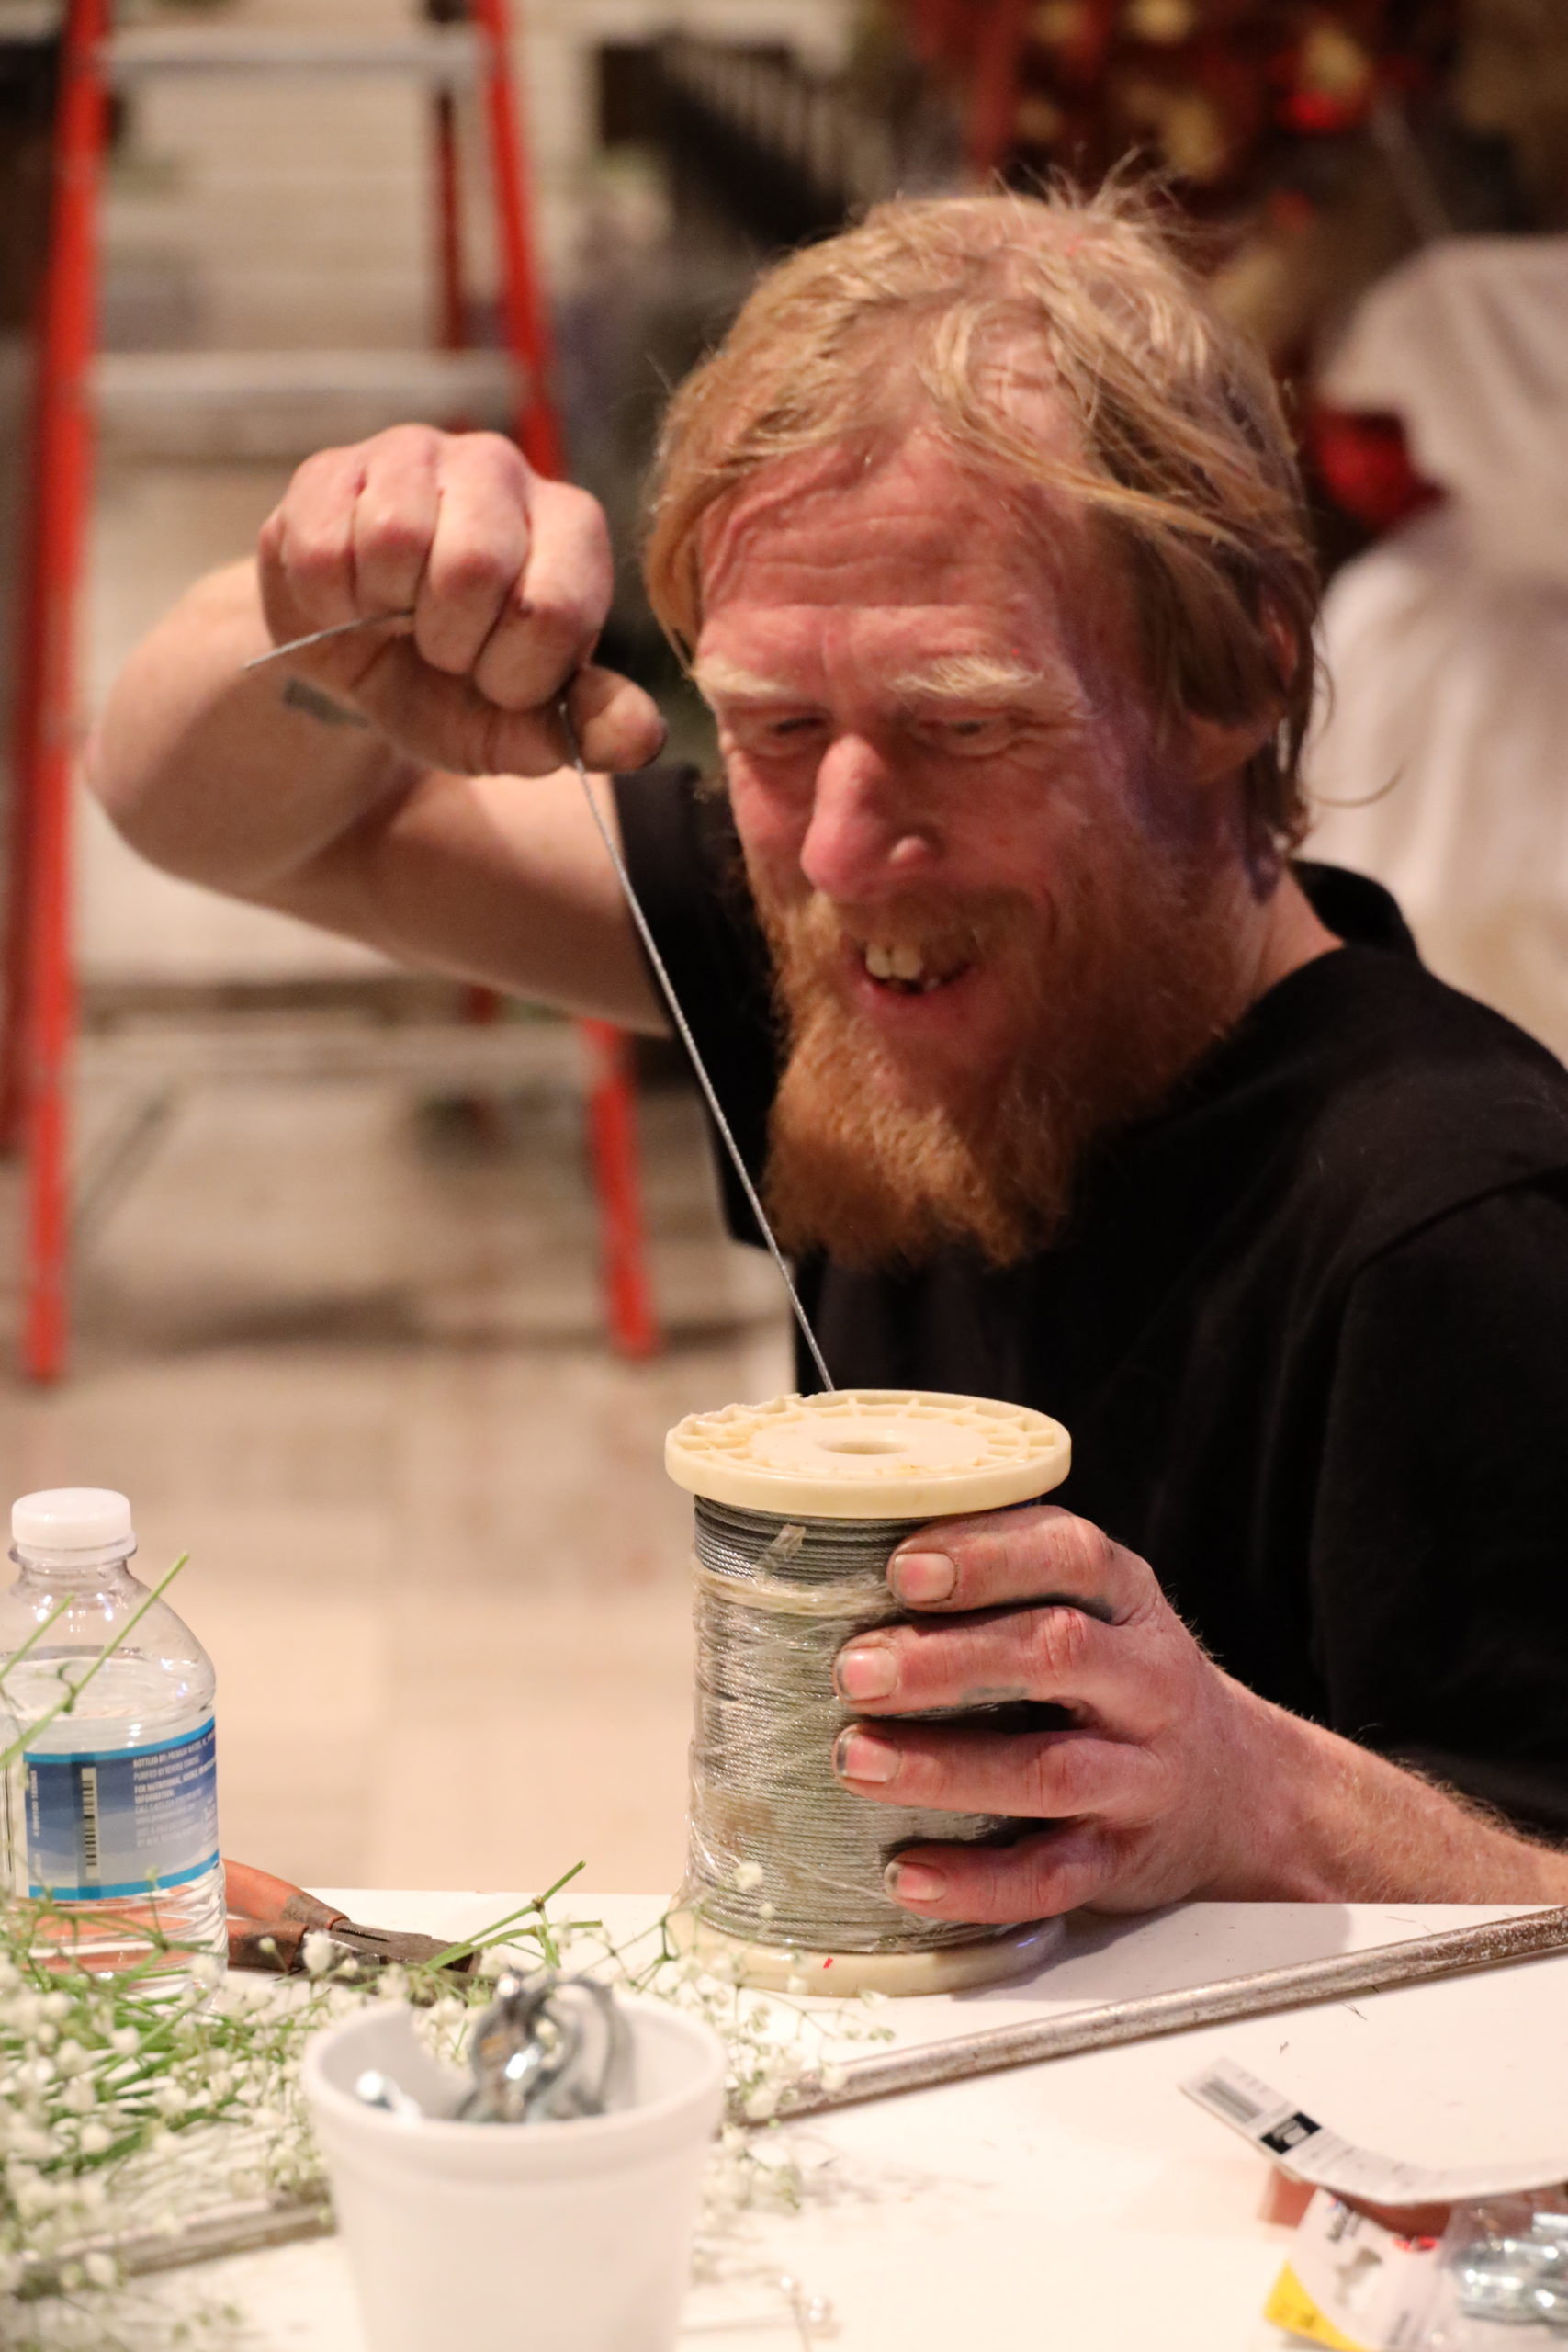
(862, 841)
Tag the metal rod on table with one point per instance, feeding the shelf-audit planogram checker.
(1495, 1944)
(227, 2230)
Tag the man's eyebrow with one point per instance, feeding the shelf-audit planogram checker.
(713, 675)
(972, 678)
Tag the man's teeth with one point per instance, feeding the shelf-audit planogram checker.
(903, 963)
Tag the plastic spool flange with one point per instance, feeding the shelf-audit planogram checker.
(874, 1453)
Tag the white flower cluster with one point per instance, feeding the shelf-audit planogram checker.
(128, 2102)
(776, 2047)
(125, 2109)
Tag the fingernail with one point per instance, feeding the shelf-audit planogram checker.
(923, 1575)
(868, 1673)
(913, 1882)
(858, 1756)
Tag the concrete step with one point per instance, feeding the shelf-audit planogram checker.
(445, 56)
(284, 403)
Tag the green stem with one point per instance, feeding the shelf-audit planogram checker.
(66, 1705)
(535, 1906)
(40, 1630)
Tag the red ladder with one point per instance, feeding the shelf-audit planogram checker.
(40, 1019)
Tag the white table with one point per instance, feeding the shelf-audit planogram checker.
(1084, 2204)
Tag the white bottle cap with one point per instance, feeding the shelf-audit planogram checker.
(72, 1519)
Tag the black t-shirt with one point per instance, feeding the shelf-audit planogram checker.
(1308, 1327)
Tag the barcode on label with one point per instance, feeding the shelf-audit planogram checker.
(1222, 2094)
(89, 1821)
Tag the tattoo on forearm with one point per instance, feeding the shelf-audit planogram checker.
(300, 695)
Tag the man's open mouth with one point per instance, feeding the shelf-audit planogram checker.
(912, 971)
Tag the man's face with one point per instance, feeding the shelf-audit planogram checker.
(939, 762)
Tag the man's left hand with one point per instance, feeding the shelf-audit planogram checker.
(1152, 1789)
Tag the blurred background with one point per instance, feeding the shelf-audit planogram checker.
(356, 1311)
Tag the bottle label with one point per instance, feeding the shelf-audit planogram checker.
(122, 1821)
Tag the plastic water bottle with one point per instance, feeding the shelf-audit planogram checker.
(111, 1807)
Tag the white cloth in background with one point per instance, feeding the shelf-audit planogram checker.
(1446, 644)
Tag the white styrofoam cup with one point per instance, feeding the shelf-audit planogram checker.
(535, 2237)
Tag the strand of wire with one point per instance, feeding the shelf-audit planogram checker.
(780, 1851)
(684, 1029)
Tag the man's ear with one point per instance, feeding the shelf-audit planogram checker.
(1211, 751)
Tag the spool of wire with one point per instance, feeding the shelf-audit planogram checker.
(799, 1505)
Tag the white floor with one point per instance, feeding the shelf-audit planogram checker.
(357, 1368)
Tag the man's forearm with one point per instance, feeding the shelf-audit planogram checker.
(226, 778)
(1330, 1822)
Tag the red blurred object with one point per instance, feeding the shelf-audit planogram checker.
(40, 1011)
(1365, 463)
(612, 1128)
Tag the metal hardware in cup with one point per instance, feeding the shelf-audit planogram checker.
(547, 2049)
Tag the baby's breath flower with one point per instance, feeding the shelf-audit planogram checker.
(87, 2150)
(747, 1876)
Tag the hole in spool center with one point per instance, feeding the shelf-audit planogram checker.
(861, 1446)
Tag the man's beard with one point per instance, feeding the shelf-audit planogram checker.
(1115, 994)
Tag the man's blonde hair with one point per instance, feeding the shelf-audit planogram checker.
(942, 310)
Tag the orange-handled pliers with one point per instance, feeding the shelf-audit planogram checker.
(269, 1920)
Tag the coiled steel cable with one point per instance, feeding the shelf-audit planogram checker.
(780, 1851)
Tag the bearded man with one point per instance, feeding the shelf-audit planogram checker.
(1066, 1083)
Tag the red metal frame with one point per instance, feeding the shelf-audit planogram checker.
(525, 316)
(611, 1099)
(41, 1013)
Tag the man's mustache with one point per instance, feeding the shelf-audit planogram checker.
(809, 936)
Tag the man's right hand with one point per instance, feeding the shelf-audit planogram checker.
(509, 578)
